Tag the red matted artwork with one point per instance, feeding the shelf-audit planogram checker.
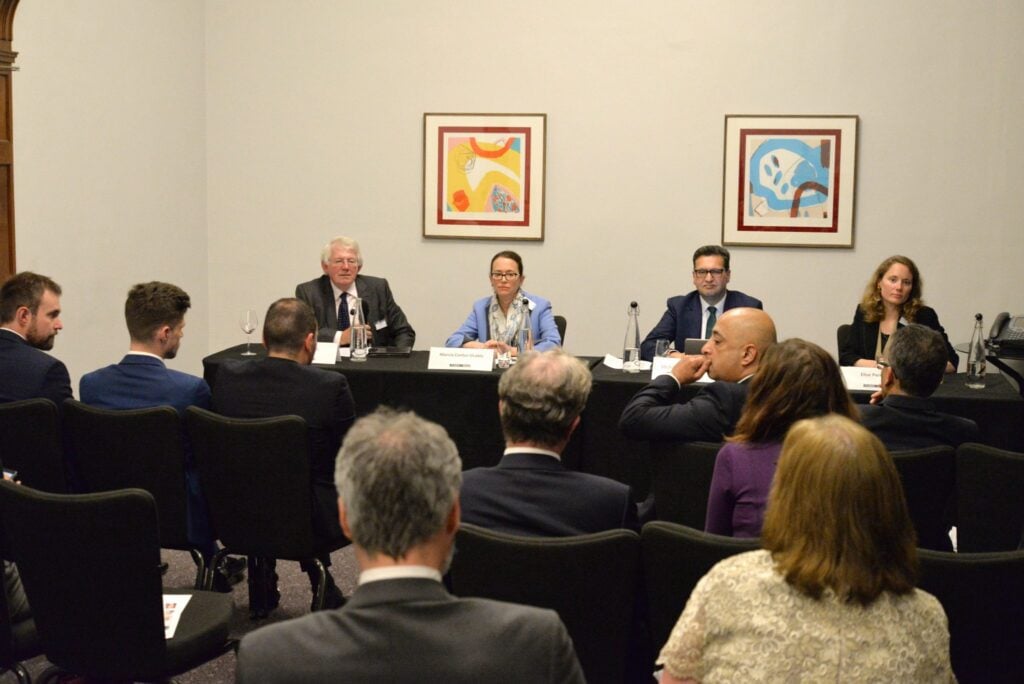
(483, 176)
(789, 180)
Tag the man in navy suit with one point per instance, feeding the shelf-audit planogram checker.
(29, 322)
(331, 297)
(155, 315)
(530, 491)
(693, 315)
(730, 357)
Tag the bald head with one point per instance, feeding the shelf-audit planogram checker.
(737, 343)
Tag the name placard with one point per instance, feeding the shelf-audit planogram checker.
(446, 358)
(862, 378)
(326, 353)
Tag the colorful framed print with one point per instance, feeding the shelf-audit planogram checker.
(483, 176)
(789, 180)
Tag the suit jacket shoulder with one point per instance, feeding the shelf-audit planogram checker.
(654, 414)
(30, 373)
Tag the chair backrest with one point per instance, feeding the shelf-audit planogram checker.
(256, 479)
(681, 479)
(843, 335)
(989, 498)
(928, 477)
(560, 323)
(30, 433)
(675, 557)
(140, 448)
(983, 596)
(591, 581)
(90, 567)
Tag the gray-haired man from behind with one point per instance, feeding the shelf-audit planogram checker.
(398, 479)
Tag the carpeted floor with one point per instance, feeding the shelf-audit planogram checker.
(295, 599)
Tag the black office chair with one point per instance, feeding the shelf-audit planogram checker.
(560, 323)
(90, 567)
(983, 596)
(30, 433)
(140, 448)
(843, 335)
(989, 498)
(928, 477)
(681, 479)
(591, 581)
(256, 478)
(675, 557)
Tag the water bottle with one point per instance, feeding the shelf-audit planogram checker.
(631, 345)
(524, 341)
(357, 337)
(976, 356)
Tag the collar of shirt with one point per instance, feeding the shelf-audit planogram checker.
(391, 572)
(704, 304)
(532, 450)
(142, 353)
(15, 332)
(352, 292)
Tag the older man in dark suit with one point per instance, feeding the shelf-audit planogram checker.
(283, 384)
(398, 495)
(29, 323)
(730, 357)
(694, 315)
(331, 297)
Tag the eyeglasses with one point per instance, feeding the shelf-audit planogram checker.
(705, 272)
(347, 262)
(504, 276)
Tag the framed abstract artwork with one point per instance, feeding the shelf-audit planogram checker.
(483, 176)
(789, 181)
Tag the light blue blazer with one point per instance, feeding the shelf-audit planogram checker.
(477, 326)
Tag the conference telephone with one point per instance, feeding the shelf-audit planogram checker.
(1007, 332)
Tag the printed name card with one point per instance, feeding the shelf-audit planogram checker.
(446, 358)
(858, 378)
(326, 353)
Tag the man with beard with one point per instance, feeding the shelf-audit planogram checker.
(29, 322)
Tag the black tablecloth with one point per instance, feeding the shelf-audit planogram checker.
(466, 404)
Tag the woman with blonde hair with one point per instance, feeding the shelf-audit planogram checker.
(893, 297)
(831, 595)
(796, 379)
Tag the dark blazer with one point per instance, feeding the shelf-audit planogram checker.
(412, 630)
(30, 373)
(140, 381)
(682, 319)
(279, 387)
(536, 495)
(905, 422)
(380, 306)
(653, 413)
(863, 337)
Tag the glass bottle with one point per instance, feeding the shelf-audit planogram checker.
(976, 356)
(631, 345)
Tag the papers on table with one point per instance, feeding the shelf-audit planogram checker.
(174, 606)
(615, 363)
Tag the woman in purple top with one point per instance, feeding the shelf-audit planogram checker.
(796, 379)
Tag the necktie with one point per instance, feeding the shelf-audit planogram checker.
(343, 321)
(711, 322)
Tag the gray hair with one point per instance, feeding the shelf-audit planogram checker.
(341, 242)
(398, 477)
(541, 395)
(917, 356)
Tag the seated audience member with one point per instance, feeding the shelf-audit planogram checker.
(530, 491)
(155, 315)
(693, 315)
(398, 494)
(905, 417)
(331, 294)
(795, 380)
(284, 383)
(495, 320)
(893, 297)
(18, 610)
(739, 340)
(29, 322)
(831, 596)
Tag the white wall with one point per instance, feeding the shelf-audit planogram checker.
(110, 174)
(313, 127)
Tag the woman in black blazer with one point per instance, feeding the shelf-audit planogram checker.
(892, 298)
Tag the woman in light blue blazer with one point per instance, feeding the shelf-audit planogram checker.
(495, 320)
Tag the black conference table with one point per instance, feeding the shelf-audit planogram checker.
(466, 404)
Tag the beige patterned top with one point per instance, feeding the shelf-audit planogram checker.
(744, 623)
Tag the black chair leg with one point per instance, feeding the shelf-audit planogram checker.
(321, 583)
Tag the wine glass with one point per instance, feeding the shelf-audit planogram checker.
(249, 322)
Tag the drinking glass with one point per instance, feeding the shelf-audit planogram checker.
(661, 347)
(249, 322)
